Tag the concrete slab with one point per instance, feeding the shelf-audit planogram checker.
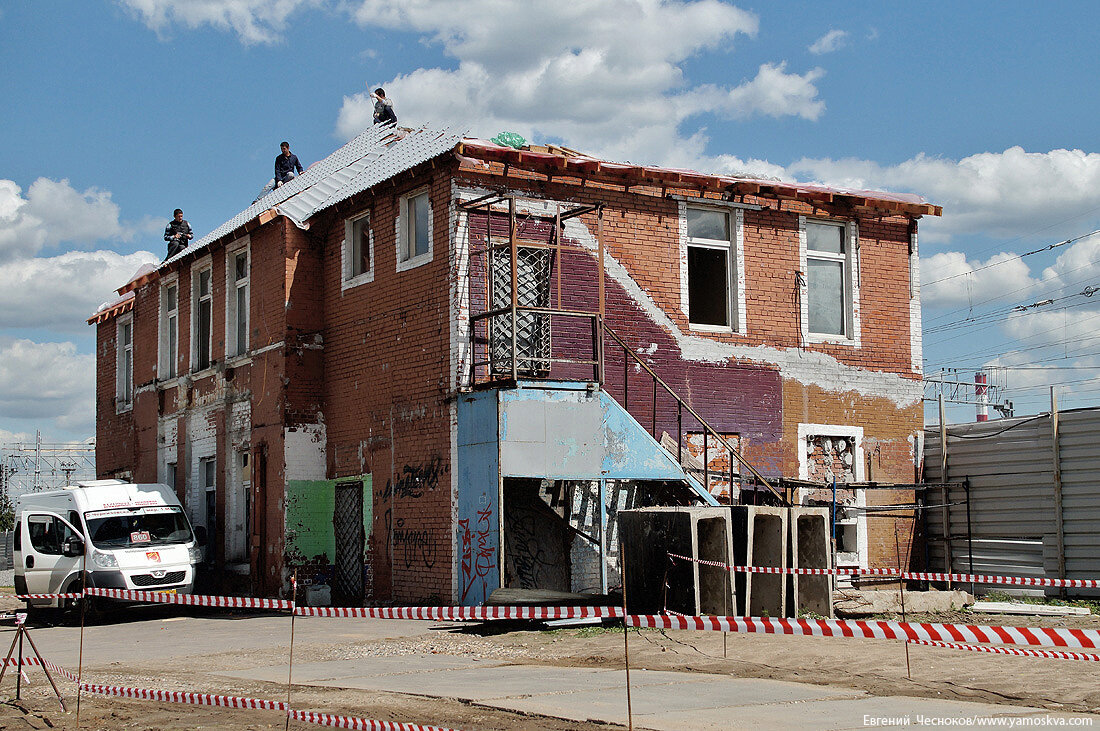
(836, 715)
(365, 667)
(714, 696)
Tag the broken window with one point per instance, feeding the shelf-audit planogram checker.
(414, 237)
(125, 376)
(237, 301)
(710, 267)
(828, 279)
(202, 319)
(358, 248)
(169, 330)
(831, 458)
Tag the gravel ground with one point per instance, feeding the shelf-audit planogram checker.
(7, 578)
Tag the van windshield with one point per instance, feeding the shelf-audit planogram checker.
(137, 528)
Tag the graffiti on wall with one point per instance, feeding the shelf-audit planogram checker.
(478, 553)
(412, 546)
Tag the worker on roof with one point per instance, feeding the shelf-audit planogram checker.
(177, 233)
(383, 107)
(285, 165)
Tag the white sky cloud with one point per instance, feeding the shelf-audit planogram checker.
(948, 279)
(995, 193)
(48, 383)
(77, 282)
(254, 21)
(606, 76)
(51, 212)
(834, 40)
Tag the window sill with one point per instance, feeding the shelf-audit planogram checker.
(697, 327)
(167, 383)
(414, 262)
(831, 339)
(207, 371)
(236, 361)
(357, 280)
(122, 408)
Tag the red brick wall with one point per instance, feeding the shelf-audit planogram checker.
(386, 393)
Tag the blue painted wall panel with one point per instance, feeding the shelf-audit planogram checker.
(477, 539)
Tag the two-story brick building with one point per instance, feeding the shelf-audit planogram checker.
(431, 366)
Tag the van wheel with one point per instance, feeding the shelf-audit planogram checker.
(71, 607)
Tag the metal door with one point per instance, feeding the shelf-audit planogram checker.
(347, 526)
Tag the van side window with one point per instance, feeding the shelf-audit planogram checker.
(18, 536)
(47, 534)
(74, 519)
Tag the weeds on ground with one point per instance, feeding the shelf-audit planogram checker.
(1092, 605)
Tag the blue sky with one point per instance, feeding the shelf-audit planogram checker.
(118, 112)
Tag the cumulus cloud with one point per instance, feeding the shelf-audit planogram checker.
(48, 383)
(604, 75)
(254, 21)
(949, 279)
(995, 193)
(834, 40)
(52, 212)
(76, 283)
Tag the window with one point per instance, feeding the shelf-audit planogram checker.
(170, 474)
(358, 251)
(237, 271)
(414, 231)
(711, 273)
(48, 534)
(830, 284)
(169, 330)
(202, 329)
(207, 473)
(125, 376)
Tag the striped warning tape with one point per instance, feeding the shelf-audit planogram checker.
(908, 575)
(25, 597)
(885, 630)
(14, 663)
(462, 613)
(363, 724)
(232, 602)
(175, 696)
(995, 650)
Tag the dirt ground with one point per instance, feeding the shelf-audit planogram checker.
(875, 666)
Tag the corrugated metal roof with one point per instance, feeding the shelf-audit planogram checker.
(372, 157)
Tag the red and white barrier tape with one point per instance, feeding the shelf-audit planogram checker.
(995, 650)
(13, 663)
(25, 597)
(883, 630)
(462, 613)
(175, 696)
(907, 575)
(232, 602)
(363, 724)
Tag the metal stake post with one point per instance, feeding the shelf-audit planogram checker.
(293, 614)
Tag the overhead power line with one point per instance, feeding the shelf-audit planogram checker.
(1017, 257)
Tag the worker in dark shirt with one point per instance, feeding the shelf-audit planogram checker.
(285, 165)
(383, 107)
(177, 233)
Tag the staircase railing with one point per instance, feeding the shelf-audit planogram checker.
(682, 406)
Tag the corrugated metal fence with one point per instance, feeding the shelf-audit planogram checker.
(1014, 477)
(7, 550)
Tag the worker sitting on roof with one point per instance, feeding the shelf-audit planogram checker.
(285, 165)
(177, 233)
(383, 108)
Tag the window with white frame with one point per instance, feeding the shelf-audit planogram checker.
(358, 250)
(124, 382)
(202, 318)
(414, 230)
(236, 306)
(711, 268)
(829, 280)
(169, 330)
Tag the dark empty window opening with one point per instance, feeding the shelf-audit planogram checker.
(708, 286)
